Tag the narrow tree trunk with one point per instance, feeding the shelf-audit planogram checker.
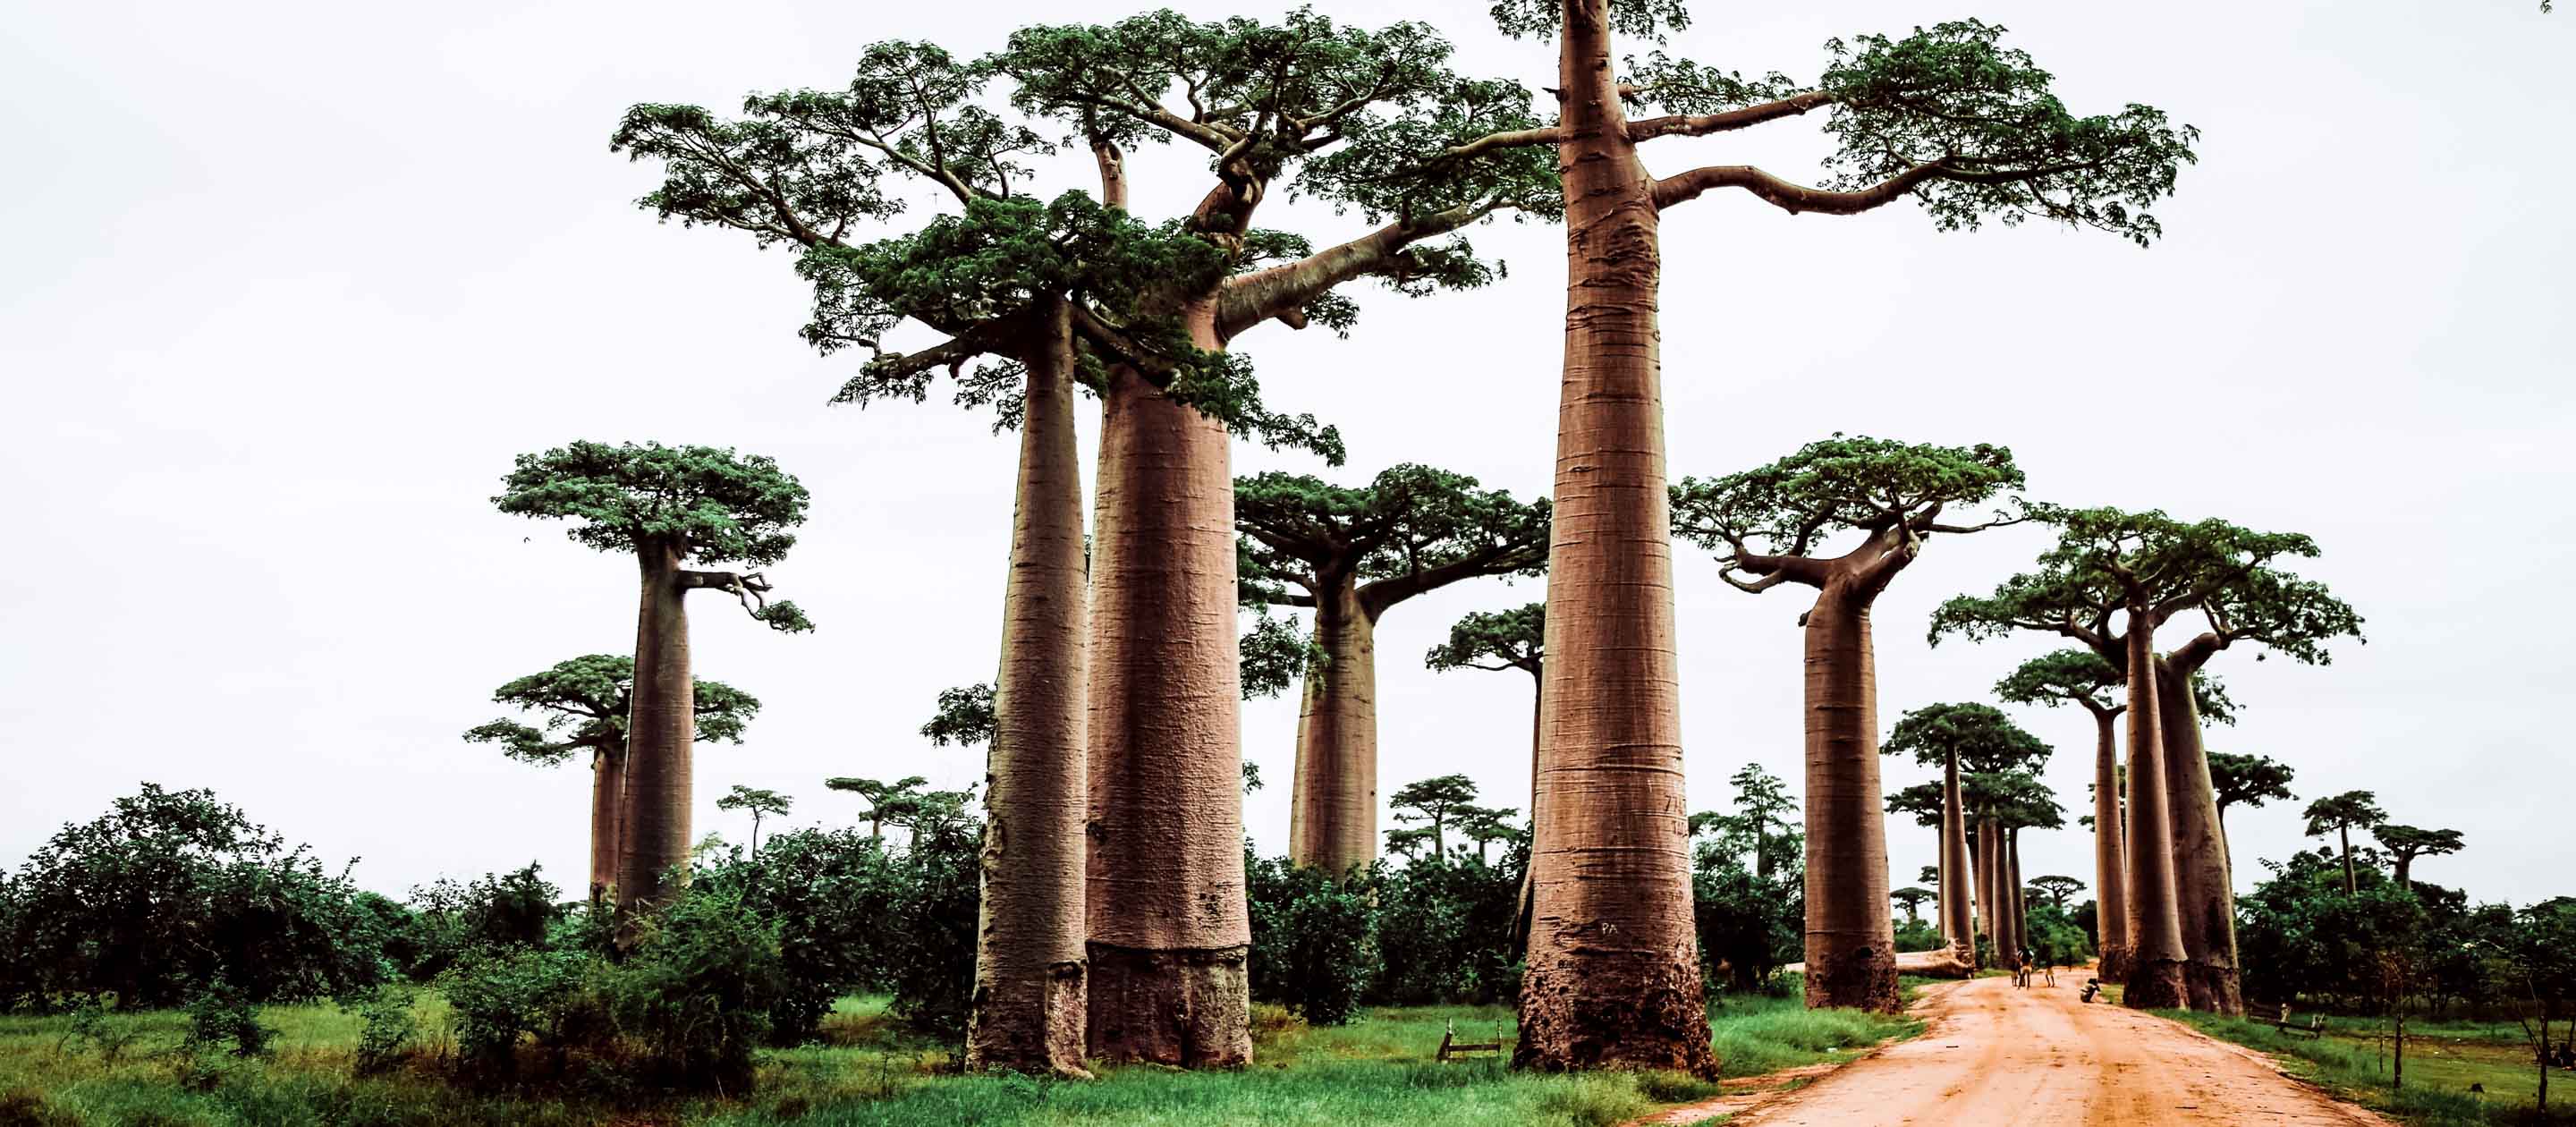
(1613, 974)
(1165, 905)
(2014, 894)
(1851, 937)
(2110, 857)
(1538, 725)
(2351, 887)
(607, 805)
(1958, 912)
(1030, 963)
(2155, 927)
(1990, 904)
(661, 727)
(1332, 813)
(2204, 887)
(2402, 866)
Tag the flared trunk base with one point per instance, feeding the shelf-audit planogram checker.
(2115, 963)
(1659, 1019)
(1050, 1046)
(2156, 985)
(1189, 1009)
(2214, 989)
(1861, 978)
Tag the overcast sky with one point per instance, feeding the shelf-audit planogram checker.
(285, 287)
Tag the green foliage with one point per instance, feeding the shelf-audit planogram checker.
(2054, 936)
(714, 505)
(964, 717)
(698, 990)
(932, 970)
(2066, 675)
(582, 704)
(2407, 843)
(2055, 889)
(1411, 529)
(499, 996)
(2248, 780)
(1433, 801)
(1636, 19)
(222, 1015)
(1445, 930)
(2353, 809)
(1751, 920)
(172, 890)
(833, 896)
(388, 1028)
(1274, 654)
(1836, 484)
(1314, 938)
(1984, 739)
(448, 918)
(1510, 639)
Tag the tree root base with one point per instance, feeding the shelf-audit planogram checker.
(2155, 985)
(1189, 1008)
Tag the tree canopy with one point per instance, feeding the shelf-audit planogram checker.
(1760, 520)
(699, 502)
(1984, 738)
(1412, 529)
(2249, 780)
(964, 716)
(2350, 810)
(582, 705)
(2056, 888)
(1495, 640)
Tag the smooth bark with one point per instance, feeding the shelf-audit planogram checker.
(661, 728)
(1851, 941)
(1613, 968)
(1990, 915)
(1332, 822)
(1164, 876)
(2155, 926)
(2205, 895)
(1958, 909)
(2110, 852)
(1030, 962)
(607, 807)
(2016, 898)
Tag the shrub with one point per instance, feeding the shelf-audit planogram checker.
(1314, 942)
(931, 953)
(833, 895)
(499, 997)
(1445, 931)
(696, 995)
(386, 1028)
(222, 1014)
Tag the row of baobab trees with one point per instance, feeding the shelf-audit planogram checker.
(1114, 924)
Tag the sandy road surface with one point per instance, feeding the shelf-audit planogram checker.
(1994, 1054)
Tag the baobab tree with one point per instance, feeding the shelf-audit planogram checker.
(2017, 801)
(2057, 888)
(2406, 843)
(1486, 825)
(666, 506)
(886, 800)
(2338, 814)
(583, 705)
(1305, 105)
(1351, 554)
(760, 803)
(1947, 116)
(1496, 641)
(2246, 780)
(1770, 526)
(1974, 745)
(1911, 899)
(2144, 569)
(2085, 678)
(1433, 802)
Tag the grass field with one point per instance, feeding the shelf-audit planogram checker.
(870, 1071)
(2442, 1060)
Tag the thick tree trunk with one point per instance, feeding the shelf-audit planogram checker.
(1613, 971)
(2155, 926)
(661, 728)
(1332, 814)
(2110, 855)
(1958, 910)
(2015, 896)
(1165, 905)
(1851, 937)
(1990, 905)
(607, 806)
(1538, 726)
(2400, 868)
(1030, 963)
(2205, 896)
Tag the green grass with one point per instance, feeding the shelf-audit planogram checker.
(2441, 1063)
(869, 1070)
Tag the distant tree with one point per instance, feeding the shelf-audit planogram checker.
(2087, 679)
(584, 703)
(759, 803)
(1434, 801)
(1769, 526)
(2406, 843)
(2540, 952)
(1486, 825)
(964, 717)
(1968, 742)
(1496, 641)
(2338, 814)
(1351, 554)
(666, 506)
(2248, 780)
(1761, 798)
(887, 802)
(1911, 899)
(2057, 888)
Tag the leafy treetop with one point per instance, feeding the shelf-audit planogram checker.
(964, 717)
(1769, 522)
(1495, 640)
(2248, 780)
(2057, 888)
(754, 799)
(693, 501)
(1412, 529)
(2343, 812)
(583, 704)
(2410, 842)
(1984, 739)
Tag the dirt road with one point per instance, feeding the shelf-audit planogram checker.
(1994, 1054)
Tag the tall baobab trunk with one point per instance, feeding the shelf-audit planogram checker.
(1030, 962)
(1990, 905)
(1538, 728)
(1613, 963)
(607, 807)
(1169, 931)
(661, 727)
(1958, 918)
(2155, 925)
(2015, 896)
(1851, 935)
(2205, 896)
(2110, 855)
(1332, 815)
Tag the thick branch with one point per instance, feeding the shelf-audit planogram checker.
(1701, 125)
(1281, 290)
(750, 587)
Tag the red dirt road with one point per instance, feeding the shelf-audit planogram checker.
(1994, 1054)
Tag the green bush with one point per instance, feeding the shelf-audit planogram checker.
(386, 1029)
(1314, 938)
(1445, 930)
(832, 894)
(222, 1014)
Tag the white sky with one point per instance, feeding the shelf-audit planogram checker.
(285, 286)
